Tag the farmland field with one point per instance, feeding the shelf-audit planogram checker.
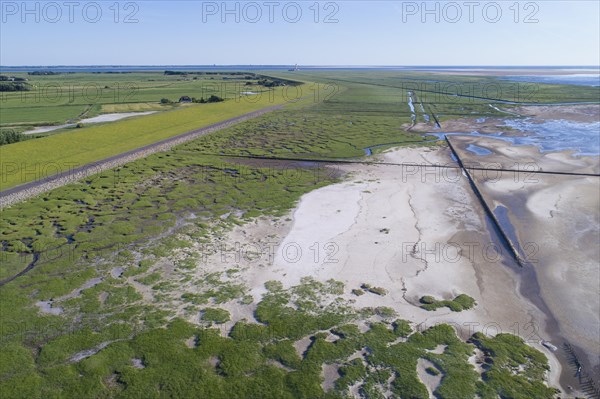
(53, 99)
(79, 146)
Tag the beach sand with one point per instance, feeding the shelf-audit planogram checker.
(413, 233)
(557, 219)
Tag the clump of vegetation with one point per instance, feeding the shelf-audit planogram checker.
(458, 304)
(14, 85)
(514, 369)
(150, 279)
(351, 373)
(275, 82)
(5, 78)
(9, 136)
(216, 315)
(358, 292)
(385, 311)
(374, 290)
(402, 328)
(432, 371)
(214, 99)
(44, 73)
(274, 285)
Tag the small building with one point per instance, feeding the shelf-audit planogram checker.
(185, 99)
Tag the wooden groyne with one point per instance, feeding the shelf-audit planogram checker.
(588, 385)
(512, 246)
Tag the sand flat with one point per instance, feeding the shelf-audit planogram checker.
(560, 217)
(412, 234)
(524, 159)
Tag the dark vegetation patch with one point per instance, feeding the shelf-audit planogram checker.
(374, 290)
(215, 315)
(458, 304)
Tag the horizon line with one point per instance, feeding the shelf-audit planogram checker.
(299, 65)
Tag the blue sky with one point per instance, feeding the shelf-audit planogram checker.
(193, 32)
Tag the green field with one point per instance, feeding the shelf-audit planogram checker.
(54, 99)
(128, 335)
(34, 159)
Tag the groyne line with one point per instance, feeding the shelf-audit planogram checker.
(406, 164)
(507, 241)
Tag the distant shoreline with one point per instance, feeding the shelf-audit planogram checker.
(459, 69)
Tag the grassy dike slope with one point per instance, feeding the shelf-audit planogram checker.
(34, 159)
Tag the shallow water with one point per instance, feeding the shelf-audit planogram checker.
(501, 213)
(413, 116)
(559, 135)
(44, 129)
(114, 117)
(547, 136)
(578, 79)
(96, 119)
(477, 150)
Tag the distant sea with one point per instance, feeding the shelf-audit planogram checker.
(578, 79)
(130, 68)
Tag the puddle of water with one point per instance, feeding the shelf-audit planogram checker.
(114, 117)
(96, 119)
(44, 129)
(477, 150)
(501, 213)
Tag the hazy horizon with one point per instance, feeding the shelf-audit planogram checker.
(342, 33)
(440, 66)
